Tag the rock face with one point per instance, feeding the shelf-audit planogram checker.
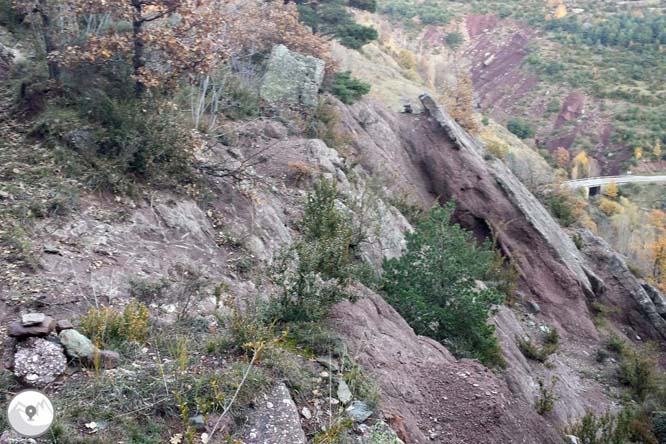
(644, 302)
(292, 78)
(428, 156)
(434, 397)
(527, 233)
(38, 362)
(275, 420)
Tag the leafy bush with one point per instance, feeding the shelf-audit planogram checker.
(323, 123)
(627, 426)
(347, 88)
(638, 371)
(107, 326)
(659, 426)
(428, 12)
(355, 36)
(434, 286)
(330, 17)
(547, 398)
(532, 351)
(568, 209)
(609, 207)
(497, 148)
(454, 39)
(313, 274)
(114, 143)
(616, 344)
(521, 128)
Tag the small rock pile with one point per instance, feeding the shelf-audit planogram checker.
(39, 347)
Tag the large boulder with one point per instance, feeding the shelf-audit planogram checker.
(76, 344)
(292, 78)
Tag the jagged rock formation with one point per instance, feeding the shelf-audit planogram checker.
(637, 300)
(292, 78)
(430, 156)
(412, 159)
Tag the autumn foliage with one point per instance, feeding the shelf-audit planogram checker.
(459, 102)
(562, 157)
(658, 248)
(164, 41)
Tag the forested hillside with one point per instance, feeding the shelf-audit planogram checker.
(583, 75)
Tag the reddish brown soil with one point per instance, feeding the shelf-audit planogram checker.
(506, 88)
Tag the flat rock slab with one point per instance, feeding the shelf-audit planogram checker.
(64, 324)
(18, 330)
(30, 319)
(275, 420)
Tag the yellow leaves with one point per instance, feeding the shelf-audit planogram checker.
(561, 11)
(611, 190)
(658, 220)
(657, 151)
(609, 207)
(106, 53)
(580, 166)
(638, 153)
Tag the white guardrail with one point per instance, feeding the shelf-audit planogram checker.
(605, 180)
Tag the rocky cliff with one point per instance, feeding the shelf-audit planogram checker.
(245, 215)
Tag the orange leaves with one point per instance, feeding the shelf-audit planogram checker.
(562, 157)
(167, 40)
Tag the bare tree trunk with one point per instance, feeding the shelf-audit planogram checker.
(138, 57)
(49, 44)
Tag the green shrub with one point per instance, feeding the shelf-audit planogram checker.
(627, 426)
(532, 351)
(433, 286)
(323, 124)
(616, 344)
(114, 143)
(348, 89)
(547, 398)
(330, 17)
(355, 36)
(553, 106)
(638, 371)
(107, 326)
(313, 274)
(563, 208)
(659, 426)
(454, 39)
(552, 337)
(521, 128)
